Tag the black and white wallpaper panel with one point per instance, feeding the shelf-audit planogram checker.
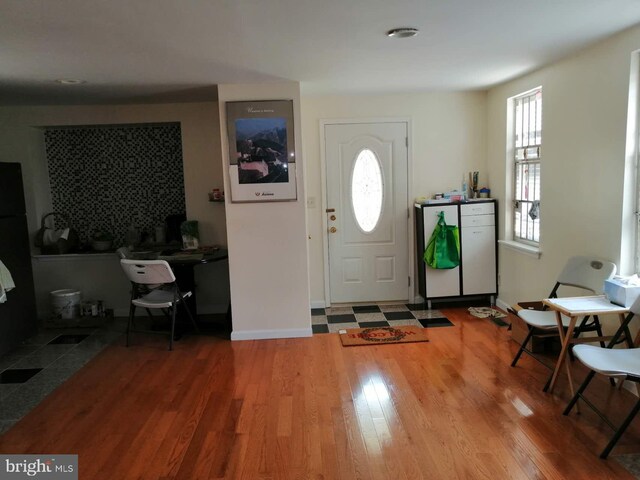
(110, 177)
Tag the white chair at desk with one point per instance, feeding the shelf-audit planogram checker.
(623, 364)
(144, 275)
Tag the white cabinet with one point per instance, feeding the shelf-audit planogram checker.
(478, 249)
(477, 273)
(441, 283)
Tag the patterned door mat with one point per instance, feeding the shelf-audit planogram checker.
(380, 335)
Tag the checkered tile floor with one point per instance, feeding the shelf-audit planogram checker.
(332, 319)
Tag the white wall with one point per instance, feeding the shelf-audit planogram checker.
(21, 142)
(268, 270)
(584, 160)
(447, 139)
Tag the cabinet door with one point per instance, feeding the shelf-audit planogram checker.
(440, 283)
(478, 245)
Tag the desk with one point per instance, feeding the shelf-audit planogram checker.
(182, 263)
(574, 308)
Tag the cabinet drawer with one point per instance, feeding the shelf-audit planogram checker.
(478, 220)
(477, 209)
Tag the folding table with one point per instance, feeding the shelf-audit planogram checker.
(574, 308)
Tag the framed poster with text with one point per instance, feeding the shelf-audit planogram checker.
(262, 162)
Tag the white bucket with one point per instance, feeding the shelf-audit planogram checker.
(65, 303)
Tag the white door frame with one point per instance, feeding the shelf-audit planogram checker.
(323, 178)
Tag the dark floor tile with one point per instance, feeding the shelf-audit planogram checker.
(381, 323)
(320, 328)
(18, 375)
(366, 309)
(398, 315)
(68, 339)
(435, 322)
(344, 318)
(317, 311)
(417, 306)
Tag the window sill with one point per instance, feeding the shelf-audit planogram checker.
(522, 248)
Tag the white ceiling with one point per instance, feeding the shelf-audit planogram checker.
(178, 50)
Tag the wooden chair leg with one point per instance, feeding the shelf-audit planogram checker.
(576, 334)
(598, 326)
(579, 392)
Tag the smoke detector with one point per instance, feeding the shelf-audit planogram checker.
(404, 32)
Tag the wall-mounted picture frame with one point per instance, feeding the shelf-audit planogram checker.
(262, 161)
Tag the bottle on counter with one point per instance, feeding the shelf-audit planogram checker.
(465, 192)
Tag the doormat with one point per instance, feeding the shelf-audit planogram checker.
(380, 335)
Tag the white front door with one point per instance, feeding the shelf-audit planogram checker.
(367, 211)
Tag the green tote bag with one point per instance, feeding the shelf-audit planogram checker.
(443, 248)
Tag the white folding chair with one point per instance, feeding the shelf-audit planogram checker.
(586, 273)
(623, 364)
(164, 294)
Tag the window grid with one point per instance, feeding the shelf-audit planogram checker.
(527, 159)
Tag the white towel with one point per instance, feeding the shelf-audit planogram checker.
(6, 282)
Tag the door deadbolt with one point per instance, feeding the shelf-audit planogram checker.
(333, 229)
(332, 217)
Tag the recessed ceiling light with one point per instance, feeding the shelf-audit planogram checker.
(404, 32)
(70, 81)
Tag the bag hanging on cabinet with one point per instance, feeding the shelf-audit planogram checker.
(443, 248)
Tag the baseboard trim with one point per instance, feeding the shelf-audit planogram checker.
(318, 304)
(271, 334)
(502, 304)
(202, 310)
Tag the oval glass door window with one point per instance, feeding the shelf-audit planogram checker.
(366, 190)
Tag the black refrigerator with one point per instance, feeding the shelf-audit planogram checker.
(18, 317)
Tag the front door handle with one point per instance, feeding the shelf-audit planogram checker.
(333, 230)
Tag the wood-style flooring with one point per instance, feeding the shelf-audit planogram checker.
(309, 408)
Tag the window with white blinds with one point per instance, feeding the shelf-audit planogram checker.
(527, 143)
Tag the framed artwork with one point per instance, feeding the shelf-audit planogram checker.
(262, 162)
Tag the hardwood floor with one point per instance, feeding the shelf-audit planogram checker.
(312, 409)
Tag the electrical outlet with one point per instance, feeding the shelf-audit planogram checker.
(311, 202)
